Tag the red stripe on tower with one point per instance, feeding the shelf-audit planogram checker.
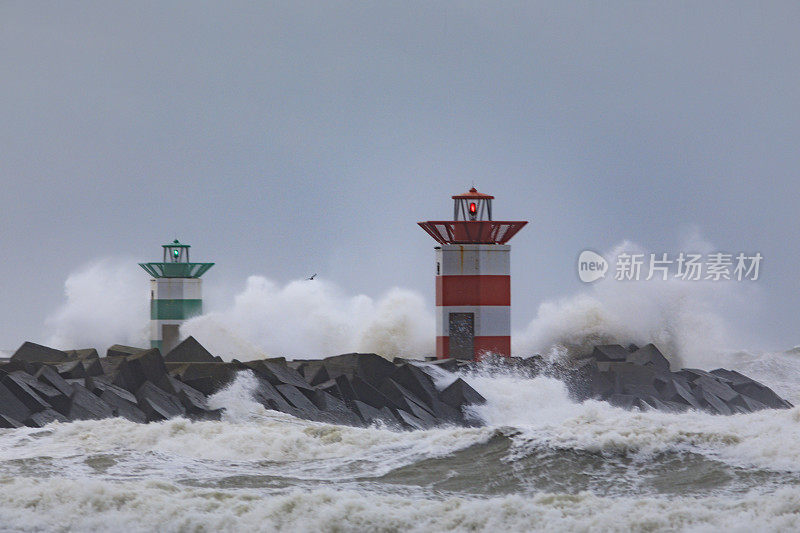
(473, 281)
(473, 290)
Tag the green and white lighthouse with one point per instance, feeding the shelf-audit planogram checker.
(175, 294)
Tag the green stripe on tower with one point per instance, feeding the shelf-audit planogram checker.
(175, 309)
(156, 344)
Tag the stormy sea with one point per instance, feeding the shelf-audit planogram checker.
(541, 462)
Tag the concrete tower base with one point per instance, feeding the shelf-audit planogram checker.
(473, 300)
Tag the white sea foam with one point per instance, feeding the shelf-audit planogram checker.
(248, 432)
(170, 476)
(97, 505)
(541, 411)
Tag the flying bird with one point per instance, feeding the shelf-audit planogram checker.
(314, 275)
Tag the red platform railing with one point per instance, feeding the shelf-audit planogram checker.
(472, 232)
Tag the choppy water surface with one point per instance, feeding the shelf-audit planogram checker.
(541, 463)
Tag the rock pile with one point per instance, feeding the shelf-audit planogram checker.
(39, 385)
(641, 378)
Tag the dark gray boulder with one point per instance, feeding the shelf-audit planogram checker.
(42, 418)
(157, 404)
(459, 393)
(641, 378)
(71, 370)
(190, 351)
(49, 394)
(11, 406)
(648, 355)
(6, 422)
(19, 387)
(36, 353)
(610, 352)
(119, 350)
(86, 406)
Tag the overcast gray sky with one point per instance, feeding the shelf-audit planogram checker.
(289, 138)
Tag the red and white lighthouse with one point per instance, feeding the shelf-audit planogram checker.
(473, 279)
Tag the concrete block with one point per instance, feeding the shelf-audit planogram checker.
(717, 388)
(459, 393)
(36, 353)
(369, 394)
(6, 422)
(42, 418)
(315, 373)
(267, 395)
(649, 355)
(368, 414)
(92, 367)
(71, 370)
(51, 396)
(86, 406)
(296, 398)
(119, 400)
(190, 351)
(714, 404)
(119, 350)
(761, 393)
(625, 401)
(610, 352)
(683, 394)
(348, 395)
(276, 371)
(19, 388)
(84, 353)
(11, 406)
(158, 404)
(450, 365)
(410, 421)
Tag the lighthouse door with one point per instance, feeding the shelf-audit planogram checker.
(462, 335)
(169, 336)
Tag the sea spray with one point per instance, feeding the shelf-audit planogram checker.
(686, 319)
(314, 318)
(106, 302)
(542, 414)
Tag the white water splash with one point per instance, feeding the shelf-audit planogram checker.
(107, 302)
(684, 318)
(315, 319)
(542, 413)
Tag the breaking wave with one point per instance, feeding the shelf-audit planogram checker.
(686, 319)
(314, 319)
